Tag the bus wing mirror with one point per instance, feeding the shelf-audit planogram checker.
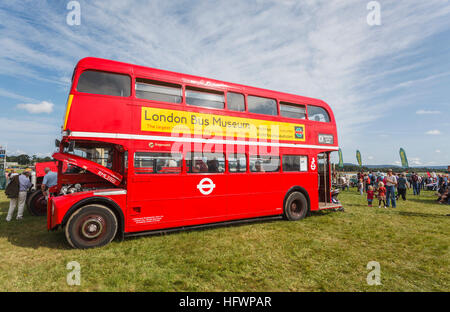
(71, 146)
(57, 143)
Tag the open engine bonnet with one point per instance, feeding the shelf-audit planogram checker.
(99, 170)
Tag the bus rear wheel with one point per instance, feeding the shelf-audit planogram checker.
(91, 226)
(296, 206)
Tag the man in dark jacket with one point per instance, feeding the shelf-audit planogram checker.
(16, 191)
(402, 185)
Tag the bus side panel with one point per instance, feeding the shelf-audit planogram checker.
(238, 199)
(264, 193)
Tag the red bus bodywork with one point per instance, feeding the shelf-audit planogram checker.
(146, 202)
(39, 167)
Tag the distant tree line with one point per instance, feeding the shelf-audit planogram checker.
(356, 168)
(25, 159)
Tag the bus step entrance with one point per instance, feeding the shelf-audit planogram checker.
(324, 205)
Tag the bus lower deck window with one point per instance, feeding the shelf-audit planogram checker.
(264, 163)
(205, 163)
(293, 163)
(237, 163)
(157, 163)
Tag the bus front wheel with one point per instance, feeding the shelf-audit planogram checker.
(37, 204)
(91, 226)
(296, 206)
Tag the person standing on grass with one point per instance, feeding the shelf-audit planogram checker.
(367, 182)
(17, 192)
(50, 179)
(10, 176)
(414, 182)
(381, 194)
(422, 184)
(391, 183)
(361, 186)
(370, 196)
(402, 186)
(419, 182)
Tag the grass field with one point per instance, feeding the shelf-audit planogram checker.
(327, 251)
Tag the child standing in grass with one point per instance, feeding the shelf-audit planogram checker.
(361, 186)
(381, 194)
(370, 195)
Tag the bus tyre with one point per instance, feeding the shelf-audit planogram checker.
(91, 226)
(37, 204)
(296, 206)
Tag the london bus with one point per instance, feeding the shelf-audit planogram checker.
(145, 150)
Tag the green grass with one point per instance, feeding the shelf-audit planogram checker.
(327, 251)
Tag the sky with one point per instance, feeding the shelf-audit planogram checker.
(387, 83)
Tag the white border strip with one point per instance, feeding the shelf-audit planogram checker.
(122, 192)
(106, 135)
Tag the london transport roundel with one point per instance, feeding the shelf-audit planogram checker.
(206, 186)
(313, 164)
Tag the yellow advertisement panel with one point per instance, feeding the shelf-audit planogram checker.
(210, 125)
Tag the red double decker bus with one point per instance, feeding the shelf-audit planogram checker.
(145, 150)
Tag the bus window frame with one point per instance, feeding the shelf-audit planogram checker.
(82, 70)
(247, 164)
(277, 103)
(163, 82)
(152, 174)
(226, 101)
(308, 157)
(279, 171)
(225, 160)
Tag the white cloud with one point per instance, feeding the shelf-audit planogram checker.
(433, 132)
(39, 108)
(427, 112)
(12, 95)
(415, 161)
(438, 151)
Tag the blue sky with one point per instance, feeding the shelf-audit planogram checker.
(388, 85)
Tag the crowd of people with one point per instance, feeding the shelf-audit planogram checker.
(389, 188)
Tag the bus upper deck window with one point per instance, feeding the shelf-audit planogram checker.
(235, 102)
(317, 113)
(158, 91)
(96, 82)
(292, 110)
(205, 98)
(260, 105)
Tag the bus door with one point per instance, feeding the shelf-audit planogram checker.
(205, 189)
(155, 191)
(323, 169)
